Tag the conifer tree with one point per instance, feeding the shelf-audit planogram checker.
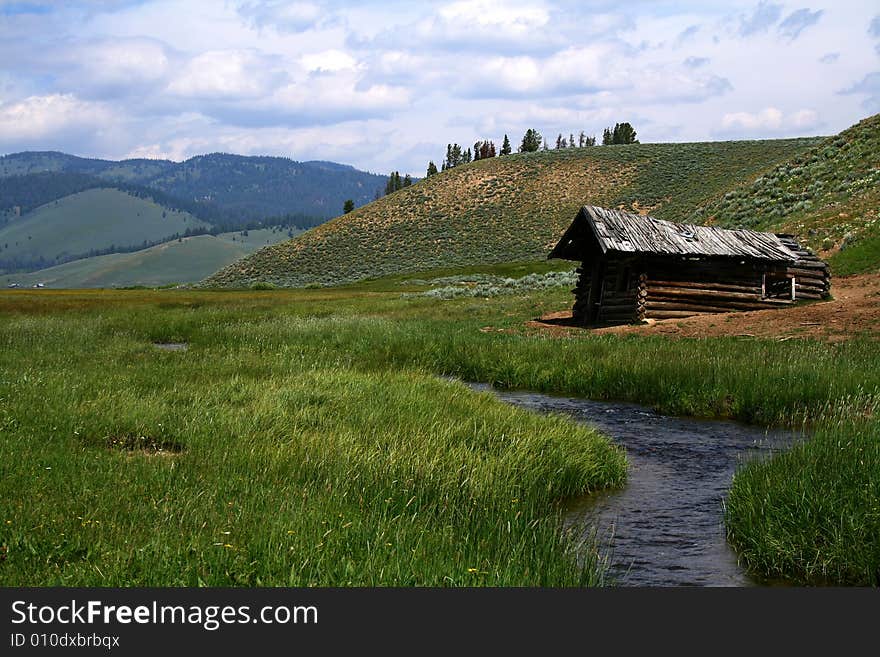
(432, 169)
(624, 133)
(505, 146)
(394, 183)
(531, 141)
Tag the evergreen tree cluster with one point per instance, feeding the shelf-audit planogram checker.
(622, 133)
(484, 149)
(395, 182)
(583, 141)
(455, 155)
(531, 141)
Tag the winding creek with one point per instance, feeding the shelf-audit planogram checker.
(665, 526)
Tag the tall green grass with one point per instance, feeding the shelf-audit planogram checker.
(812, 515)
(862, 255)
(280, 464)
(329, 396)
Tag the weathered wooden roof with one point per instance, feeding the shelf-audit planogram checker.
(627, 232)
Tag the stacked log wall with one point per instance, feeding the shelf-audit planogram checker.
(812, 275)
(617, 306)
(674, 290)
(581, 293)
(664, 288)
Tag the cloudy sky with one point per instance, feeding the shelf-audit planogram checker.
(386, 85)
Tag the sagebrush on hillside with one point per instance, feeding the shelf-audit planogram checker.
(505, 209)
(828, 195)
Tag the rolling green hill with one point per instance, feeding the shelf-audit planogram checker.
(186, 260)
(506, 209)
(829, 195)
(83, 223)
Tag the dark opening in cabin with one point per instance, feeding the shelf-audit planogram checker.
(637, 267)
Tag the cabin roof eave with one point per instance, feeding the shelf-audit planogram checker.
(626, 233)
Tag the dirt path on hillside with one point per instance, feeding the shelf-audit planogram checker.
(854, 311)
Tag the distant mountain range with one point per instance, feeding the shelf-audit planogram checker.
(221, 186)
(55, 207)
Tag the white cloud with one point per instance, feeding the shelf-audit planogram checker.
(804, 118)
(40, 117)
(869, 86)
(362, 142)
(282, 15)
(687, 34)
(762, 18)
(797, 21)
(325, 98)
(551, 120)
(314, 78)
(769, 120)
(590, 70)
(328, 61)
(230, 74)
(575, 70)
(696, 62)
(481, 26)
(514, 19)
(108, 66)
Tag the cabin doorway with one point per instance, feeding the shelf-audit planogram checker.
(597, 288)
(778, 285)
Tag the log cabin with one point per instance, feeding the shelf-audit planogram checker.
(635, 268)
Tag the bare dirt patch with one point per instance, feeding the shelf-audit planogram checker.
(854, 311)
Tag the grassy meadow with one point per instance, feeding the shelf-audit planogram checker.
(91, 220)
(183, 260)
(304, 438)
(263, 455)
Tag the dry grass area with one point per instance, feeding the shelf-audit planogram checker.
(504, 209)
(853, 312)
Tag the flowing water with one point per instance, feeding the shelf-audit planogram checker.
(665, 526)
